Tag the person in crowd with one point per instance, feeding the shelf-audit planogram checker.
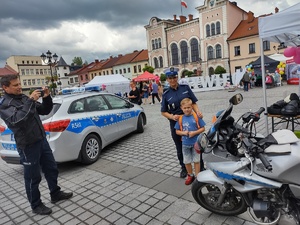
(21, 115)
(246, 81)
(146, 92)
(155, 93)
(134, 94)
(170, 109)
(160, 90)
(189, 126)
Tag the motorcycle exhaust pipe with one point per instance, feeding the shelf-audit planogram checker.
(255, 219)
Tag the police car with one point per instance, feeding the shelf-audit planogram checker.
(80, 125)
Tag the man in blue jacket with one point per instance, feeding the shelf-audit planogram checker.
(21, 115)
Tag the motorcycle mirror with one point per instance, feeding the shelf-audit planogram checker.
(236, 99)
(201, 143)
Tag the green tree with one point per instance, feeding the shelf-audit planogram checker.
(150, 69)
(220, 70)
(77, 61)
(163, 77)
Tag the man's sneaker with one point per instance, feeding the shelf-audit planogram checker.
(183, 173)
(61, 196)
(42, 210)
(189, 179)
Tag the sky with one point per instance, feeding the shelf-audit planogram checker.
(93, 29)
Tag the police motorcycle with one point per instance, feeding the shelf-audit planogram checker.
(262, 179)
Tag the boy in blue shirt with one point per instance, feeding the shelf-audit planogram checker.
(189, 126)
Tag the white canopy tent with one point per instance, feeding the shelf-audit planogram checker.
(282, 27)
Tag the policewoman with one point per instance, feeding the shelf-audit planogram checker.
(170, 108)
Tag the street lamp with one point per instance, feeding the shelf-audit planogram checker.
(48, 60)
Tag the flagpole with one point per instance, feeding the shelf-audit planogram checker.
(181, 7)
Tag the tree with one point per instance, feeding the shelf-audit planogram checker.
(163, 77)
(220, 70)
(150, 69)
(77, 61)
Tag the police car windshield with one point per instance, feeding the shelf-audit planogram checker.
(53, 111)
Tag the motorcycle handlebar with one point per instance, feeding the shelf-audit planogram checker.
(266, 163)
(260, 111)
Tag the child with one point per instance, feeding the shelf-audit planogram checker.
(189, 126)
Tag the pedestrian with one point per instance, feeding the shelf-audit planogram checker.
(189, 126)
(21, 115)
(160, 90)
(170, 108)
(155, 92)
(145, 92)
(134, 94)
(246, 81)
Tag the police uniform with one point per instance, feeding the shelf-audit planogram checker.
(171, 103)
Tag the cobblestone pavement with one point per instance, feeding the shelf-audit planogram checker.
(136, 179)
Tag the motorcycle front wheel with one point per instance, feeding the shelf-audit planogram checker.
(207, 196)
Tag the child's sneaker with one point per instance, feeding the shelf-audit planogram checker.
(189, 179)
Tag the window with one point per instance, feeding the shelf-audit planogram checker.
(184, 52)
(47, 71)
(128, 69)
(41, 71)
(22, 72)
(211, 71)
(71, 80)
(156, 44)
(27, 71)
(237, 50)
(38, 81)
(25, 82)
(120, 71)
(134, 69)
(112, 72)
(218, 51)
(37, 71)
(194, 50)
(161, 63)
(153, 45)
(140, 68)
(213, 29)
(29, 82)
(104, 72)
(159, 42)
(32, 71)
(210, 52)
(218, 28)
(96, 103)
(86, 77)
(116, 72)
(252, 48)
(115, 102)
(76, 79)
(33, 81)
(77, 106)
(155, 60)
(124, 70)
(174, 54)
(207, 30)
(266, 45)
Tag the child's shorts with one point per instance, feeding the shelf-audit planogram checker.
(189, 154)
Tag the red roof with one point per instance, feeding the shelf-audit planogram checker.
(7, 70)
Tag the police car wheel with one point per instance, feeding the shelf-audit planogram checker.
(90, 150)
(140, 124)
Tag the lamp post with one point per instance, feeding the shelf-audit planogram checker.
(48, 60)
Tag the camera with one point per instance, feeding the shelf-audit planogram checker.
(41, 91)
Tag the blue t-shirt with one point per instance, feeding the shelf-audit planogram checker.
(171, 99)
(189, 123)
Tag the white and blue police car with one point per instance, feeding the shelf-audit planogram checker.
(81, 124)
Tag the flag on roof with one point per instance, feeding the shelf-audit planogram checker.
(183, 3)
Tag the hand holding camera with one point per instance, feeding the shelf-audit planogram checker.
(36, 94)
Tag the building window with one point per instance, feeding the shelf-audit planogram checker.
(29, 82)
(184, 52)
(207, 30)
(71, 80)
(33, 81)
(266, 45)
(159, 42)
(112, 72)
(37, 71)
(86, 77)
(76, 79)
(140, 68)
(237, 50)
(128, 70)
(218, 51)
(120, 71)
(218, 28)
(38, 81)
(104, 72)
(153, 45)
(27, 71)
(134, 69)
(211, 71)
(161, 62)
(210, 52)
(213, 29)
(194, 50)
(252, 48)
(116, 72)
(32, 71)
(155, 60)
(25, 82)
(124, 70)
(156, 44)
(174, 54)
(22, 72)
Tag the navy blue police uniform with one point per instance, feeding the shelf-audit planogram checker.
(171, 103)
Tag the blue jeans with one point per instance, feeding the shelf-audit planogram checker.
(37, 157)
(189, 154)
(246, 86)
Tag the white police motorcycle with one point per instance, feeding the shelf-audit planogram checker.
(257, 174)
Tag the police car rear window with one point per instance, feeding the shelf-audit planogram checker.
(53, 111)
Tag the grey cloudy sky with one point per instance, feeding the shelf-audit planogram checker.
(92, 29)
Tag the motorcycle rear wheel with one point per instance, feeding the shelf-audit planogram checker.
(207, 196)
